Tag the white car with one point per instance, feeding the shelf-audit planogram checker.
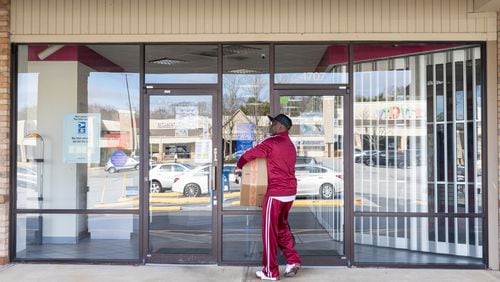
(162, 175)
(312, 179)
(130, 163)
(197, 181)
(315, 179)
(193, 183)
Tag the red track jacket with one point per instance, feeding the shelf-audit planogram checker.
(281, 156)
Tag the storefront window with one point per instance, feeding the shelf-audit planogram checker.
(245, 104)
(77, 143)
(417, 146)
(417, 126)
(311, 64)
(181, 64)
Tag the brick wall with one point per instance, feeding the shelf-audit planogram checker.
(4, 128)
(498, 112)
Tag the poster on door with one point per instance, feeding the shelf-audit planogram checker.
(203, 151)
(81, 134)
(186, 117)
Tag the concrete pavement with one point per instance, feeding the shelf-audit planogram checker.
(149, 273)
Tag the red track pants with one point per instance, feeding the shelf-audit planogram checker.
(275, 232)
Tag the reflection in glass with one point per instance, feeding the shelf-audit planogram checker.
(449, 91)
(459, 88)
(77, 236)
(242, 238)
(460, 152)
(315, 64)
(440, 153)
(246, 104)
(469, 88)
(450, 144)
(415, 153)
(396, 237)
(181, 64)
(318, 211)
(471, 152)
(91, 160)
(430, 92)
(439, 93)
(181, 183)
(478, 86)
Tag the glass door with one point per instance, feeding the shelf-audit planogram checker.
(181, 177)
(317, 216)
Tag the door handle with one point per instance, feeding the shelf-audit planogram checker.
(213, 175)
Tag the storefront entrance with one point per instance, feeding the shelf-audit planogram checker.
(389, 139)
(182, 175)
(194, 211)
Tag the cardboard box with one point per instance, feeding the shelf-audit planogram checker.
(253, 183)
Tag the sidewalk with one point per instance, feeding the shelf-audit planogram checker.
(150, 273)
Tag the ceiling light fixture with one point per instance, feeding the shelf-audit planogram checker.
(228, 50)
(237, 49)
(167, 61)
(242, 71)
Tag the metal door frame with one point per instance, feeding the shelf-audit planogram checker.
(178, 90)
(338, 91)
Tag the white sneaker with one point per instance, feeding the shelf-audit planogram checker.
(262, 276)
(292, 269)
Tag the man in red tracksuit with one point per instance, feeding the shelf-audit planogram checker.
(281, 191)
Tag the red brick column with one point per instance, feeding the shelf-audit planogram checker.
(4, 128)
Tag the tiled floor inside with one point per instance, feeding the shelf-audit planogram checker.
(127, 249)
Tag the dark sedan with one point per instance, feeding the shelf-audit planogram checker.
(401, 159)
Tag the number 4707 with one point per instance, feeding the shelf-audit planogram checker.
(314, 76)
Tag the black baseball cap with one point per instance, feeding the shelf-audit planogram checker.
(283, 119)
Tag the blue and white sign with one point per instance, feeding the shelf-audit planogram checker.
(81, 133)
(245, 134)
(242, 146)
(82, 127)
(118, 158)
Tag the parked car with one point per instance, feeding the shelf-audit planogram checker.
(193, 183)
(306, 160)
(357, 152)
(234, 156)
(361, 156)
(318, 180)
(130, 163)
(400, 159)
(162, 175)
(460, 173)
(311, 180)
(174, 152)
(196, 182)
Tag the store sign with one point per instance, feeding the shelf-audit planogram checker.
(383, 110)
(398, 112)
(162, 124)
(81, 133)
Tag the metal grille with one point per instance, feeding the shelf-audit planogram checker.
(419, 117)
